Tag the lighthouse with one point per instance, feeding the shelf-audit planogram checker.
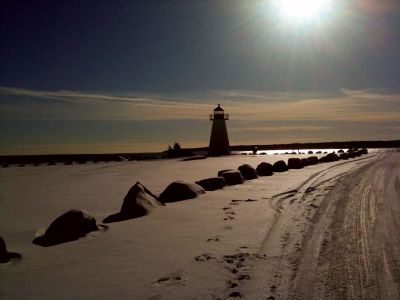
(219, 141)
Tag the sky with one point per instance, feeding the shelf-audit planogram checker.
(137, 76)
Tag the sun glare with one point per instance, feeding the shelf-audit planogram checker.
(302, 9)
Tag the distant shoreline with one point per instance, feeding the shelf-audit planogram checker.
(322, 145)
(107, 157)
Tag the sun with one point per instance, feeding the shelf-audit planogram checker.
(300, 10)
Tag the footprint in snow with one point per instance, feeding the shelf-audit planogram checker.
(170, 279)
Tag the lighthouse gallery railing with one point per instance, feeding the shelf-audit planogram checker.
(219, 117)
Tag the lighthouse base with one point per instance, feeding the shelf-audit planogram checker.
(219, 141)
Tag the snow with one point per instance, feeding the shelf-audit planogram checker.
(152, 257)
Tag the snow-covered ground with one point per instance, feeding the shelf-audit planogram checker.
(244, 240)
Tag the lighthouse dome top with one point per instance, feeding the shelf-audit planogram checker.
(218, 108)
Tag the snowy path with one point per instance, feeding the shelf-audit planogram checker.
(335, 237)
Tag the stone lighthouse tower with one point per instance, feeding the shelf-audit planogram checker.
(219, 141)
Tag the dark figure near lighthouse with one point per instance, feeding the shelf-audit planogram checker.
(219, 141)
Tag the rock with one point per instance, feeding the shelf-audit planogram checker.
(344, 156)
(3, 252)
(310, 152)
(233, 177)
(318, 152)
(304, 162)
(70, 226)
(340, 151)
(264, 169)
(6, 256)
(358, 153)
(364, 151)
(351, 154)
(295, 163)
(280, 166)
(329, 158)
(139, 201)
(180, 190)
(223, 171)
(212, 184)
(323, 159)
(312, 160)
(333, 157)
(248, 172)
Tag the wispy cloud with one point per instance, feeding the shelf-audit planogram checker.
(343, 105)
(239, 95)
(85, 105)
(79, 97)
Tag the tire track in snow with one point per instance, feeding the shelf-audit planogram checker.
(297, 211)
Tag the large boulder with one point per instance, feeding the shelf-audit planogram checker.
(329, 158)
(364, 151)
(212, 184)
(333, 157)
(248, 172)
(304, 162)
(264, 169)
(70, 226)
(181, 190)
(3, 252)
(312, 160)
(280, 166)
(323, 159)
(351, 154)
(359, 152)
(139, 201)
(232, 177)
(6, 256)
(223, 171)
(295, 163)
